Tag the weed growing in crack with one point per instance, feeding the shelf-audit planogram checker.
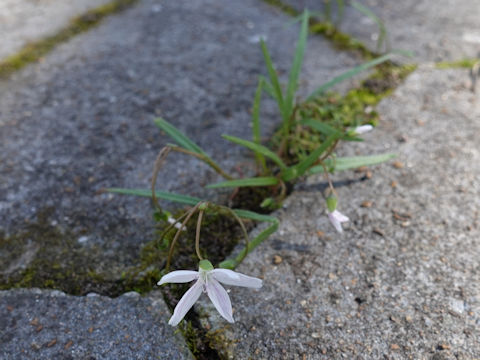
(304, 144)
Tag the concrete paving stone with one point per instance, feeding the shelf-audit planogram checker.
(446, 30)
(41, 324)
(24, 21)
(403, 280)
(82, 119)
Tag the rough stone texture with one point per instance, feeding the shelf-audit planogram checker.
(38, 324)
(81, 120)
(444, 31)
(403, 281)
(23, 21)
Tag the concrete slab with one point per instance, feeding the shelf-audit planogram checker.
(81, 120)
(445, 31)
(24, 21)
(403, 280)
(38, 324)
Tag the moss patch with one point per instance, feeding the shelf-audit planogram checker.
(36, 50)
(339, 39)
(464, 63)
(45, 257)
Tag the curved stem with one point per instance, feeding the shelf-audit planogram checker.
(332, 189)
(197, 234)
(162, 155)
(177, 235)
(204, 158)
(245, 233)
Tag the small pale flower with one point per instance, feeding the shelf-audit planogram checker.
(178, 225)
(336, 218)
(208, 280)
(362, 129)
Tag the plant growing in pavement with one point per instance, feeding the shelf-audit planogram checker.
(303, 145)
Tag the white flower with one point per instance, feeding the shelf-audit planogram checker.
(336, 218)
(208, 280)
(362, 129)
(178, 225)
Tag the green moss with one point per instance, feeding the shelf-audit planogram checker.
(339, 39)
(353, 109)
(36, 50)
(464, 63)
(55, 260)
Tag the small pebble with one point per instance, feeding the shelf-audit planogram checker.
(277, 259)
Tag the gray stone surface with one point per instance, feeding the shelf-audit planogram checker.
(403, 281)
(81, 120)
(23, 21)
(442, 31)
(38, 324)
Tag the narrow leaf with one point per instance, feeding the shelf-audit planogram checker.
(256, 133)
(273, 75)
(346, 163)
(183, 199)
(264, 234)
(258, 149)
(296, 66)
(178, 136)
(300, 168)
(256, 181)
(268, 88)
(321, 127)
(381, 26)
(348, 74)
(247, 214)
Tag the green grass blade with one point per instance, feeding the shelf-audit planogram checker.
(347, 163)
(180, 138)
(300, 168)
(257, 148)
(256, 181)
(348, 74)
(321, 127)
(264, 234)
(247, 214)
(182, 199)
(268, 87)
(256, 132)
(381, 26)
(273, 76)
(341, 8)
(296, 65)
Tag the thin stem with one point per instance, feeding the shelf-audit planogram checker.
(330, 185)
(177, 235)
(169, 227)
(245, 233)
(162, 155)
(204, 158)
(197, 234)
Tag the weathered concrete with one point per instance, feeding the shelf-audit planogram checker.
(446, 30)
(38, 324)
(403, 281)
(81, 120)
(24, 21)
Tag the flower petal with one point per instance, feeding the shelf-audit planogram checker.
(178, 225)
(220, 299)
(179, 276)
(335, 222)
(363, 129)
(186, 303)
(229, 277)
(339, 216)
